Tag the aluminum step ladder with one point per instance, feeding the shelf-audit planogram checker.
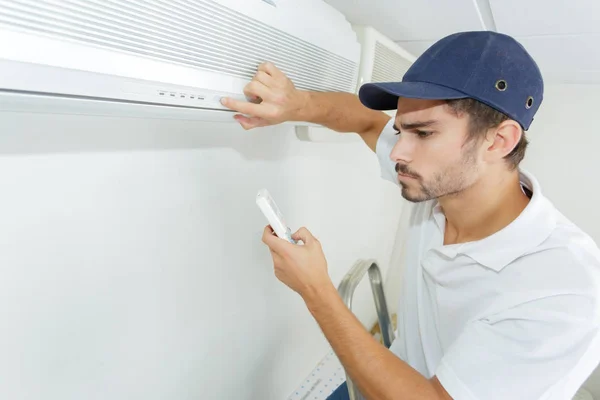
(346, 290)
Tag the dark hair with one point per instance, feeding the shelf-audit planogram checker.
(483, 117)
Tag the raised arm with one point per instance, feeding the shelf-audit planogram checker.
(274, 99)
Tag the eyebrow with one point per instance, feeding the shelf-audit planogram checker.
(416, 125)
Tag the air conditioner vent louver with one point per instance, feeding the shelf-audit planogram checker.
(201, 34)
(388, 65)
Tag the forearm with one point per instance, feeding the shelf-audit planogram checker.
(377, 372)
(343, 112)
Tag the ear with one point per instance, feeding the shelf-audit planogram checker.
(502, 140)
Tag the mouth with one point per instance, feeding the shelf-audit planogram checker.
(404, 176)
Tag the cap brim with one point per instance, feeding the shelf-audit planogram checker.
(384, 95)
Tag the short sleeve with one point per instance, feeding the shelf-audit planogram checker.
(543, 349)
(383, 149)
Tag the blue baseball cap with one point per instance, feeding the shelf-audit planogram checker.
(490, 67)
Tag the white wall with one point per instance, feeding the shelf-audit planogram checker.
(563, 153)
(564, 157)
(132, 268)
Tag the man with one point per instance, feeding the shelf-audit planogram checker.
(500, 291)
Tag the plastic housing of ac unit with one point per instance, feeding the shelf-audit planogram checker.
(382, 60)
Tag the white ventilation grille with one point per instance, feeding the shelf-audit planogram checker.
(388, 66)
(201, 34)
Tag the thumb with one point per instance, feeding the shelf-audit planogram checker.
(304, 235)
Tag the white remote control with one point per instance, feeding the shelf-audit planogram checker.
(271, 211)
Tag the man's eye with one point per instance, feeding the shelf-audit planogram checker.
(424, 134)
(397, 132)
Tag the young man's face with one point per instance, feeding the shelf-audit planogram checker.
(433, 156)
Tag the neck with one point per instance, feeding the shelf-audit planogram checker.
(483, 209)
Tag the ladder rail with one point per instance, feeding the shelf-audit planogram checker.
(346, 291)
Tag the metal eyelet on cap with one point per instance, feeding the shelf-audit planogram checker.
(501, 85)
(529, 102)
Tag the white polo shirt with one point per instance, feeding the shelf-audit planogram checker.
(513, 316)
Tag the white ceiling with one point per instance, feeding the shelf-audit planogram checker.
(561, 35)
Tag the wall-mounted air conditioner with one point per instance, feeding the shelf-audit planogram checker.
(98, 55)
(382, 60)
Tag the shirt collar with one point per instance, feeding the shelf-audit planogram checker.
(528, 230)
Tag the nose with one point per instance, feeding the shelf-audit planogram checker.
(402, 151)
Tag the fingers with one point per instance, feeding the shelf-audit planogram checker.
(243, 107)
(250, 122)
(275, 243)
(271, 69)
(270, 238)
(257, 89)
(268, 231)
(270, 99)
(304, 235)
(264, 78)
(253, 90)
